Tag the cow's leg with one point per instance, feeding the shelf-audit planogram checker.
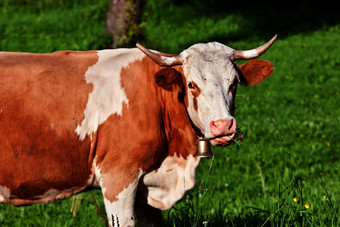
(147, 216)
(121, 211)
(119, 206)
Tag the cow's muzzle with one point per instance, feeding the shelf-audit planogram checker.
(223, 132)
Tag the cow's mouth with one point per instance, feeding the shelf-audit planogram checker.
(223, 140)
(226, 139)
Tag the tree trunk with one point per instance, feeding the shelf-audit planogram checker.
(123, 19)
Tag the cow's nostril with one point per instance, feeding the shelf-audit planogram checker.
(231, 125)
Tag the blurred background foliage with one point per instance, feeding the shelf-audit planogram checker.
(290, 121)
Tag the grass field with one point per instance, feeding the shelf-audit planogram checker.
(287, 173)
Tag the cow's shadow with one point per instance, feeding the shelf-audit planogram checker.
(255, 219)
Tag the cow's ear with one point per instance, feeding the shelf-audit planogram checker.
(255, 71)
(167, 78)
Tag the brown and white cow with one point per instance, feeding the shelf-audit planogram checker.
(113, 119)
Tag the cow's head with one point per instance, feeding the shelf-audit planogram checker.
(211, 76)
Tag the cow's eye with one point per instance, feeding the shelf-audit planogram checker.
(190, 85)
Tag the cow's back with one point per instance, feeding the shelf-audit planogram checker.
(42, 100)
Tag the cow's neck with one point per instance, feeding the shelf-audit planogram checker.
(164, 186)
(171, 94)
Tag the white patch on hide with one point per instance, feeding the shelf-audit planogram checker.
(108, 96)
(5, 193)
(98, 181)
(120, 212)
(170, 181)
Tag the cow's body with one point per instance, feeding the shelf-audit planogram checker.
(64, 129)
(115, 120)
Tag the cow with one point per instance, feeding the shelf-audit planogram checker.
(125, 121)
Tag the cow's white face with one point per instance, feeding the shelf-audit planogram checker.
(211, 77)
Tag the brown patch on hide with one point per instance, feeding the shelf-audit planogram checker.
(195, 91)
(42, 100)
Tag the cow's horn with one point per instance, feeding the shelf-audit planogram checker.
(254, 53)
(161, 60)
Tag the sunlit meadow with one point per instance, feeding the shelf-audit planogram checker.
(285, 172)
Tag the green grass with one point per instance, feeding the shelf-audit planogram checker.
(46, 26)
(290, 121)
